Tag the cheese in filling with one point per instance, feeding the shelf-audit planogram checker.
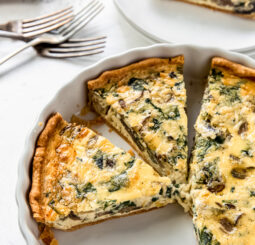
(223, 163)
(87, 179)
(147, 106)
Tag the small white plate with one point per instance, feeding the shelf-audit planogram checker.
(168, 225)
(179, 22)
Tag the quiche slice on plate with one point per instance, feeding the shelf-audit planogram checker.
(243, 8)
(145, 103)
(80, 178)
(223, 165)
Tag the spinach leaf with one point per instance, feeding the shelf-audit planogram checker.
(169, 191)
(205, 237)
(172, 75)
(82, 190)
(88, 187)
(205, 144)
(125, 206)
(231, 93)
(136, 83)
(130, 163)
(172, 111)
(118, 181)
(99, 159)
(156, 123)
(217, 75)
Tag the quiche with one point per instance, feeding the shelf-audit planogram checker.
(223, 161)
(243, 8)
(80, 178)
(145, 103)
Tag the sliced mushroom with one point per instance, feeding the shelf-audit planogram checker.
(243, 128)
(110, 163)
(218, 204)
(92, 141)
(122, 103)
(239, 173)
(215, 186)
(226, 224)
(238, 217)
(73, 216)
(229, 205)
(234, 158)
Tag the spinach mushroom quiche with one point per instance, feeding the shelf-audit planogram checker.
(223, 165)
(145, 102)
(243, 8)
(80, 178)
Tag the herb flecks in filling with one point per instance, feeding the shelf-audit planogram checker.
(222, 165)
(147, 106)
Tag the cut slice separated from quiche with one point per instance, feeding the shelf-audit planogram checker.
(145, 103)
(223, 161)
(242, 8)
(80, 178)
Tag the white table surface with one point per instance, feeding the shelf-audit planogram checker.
(27, 83)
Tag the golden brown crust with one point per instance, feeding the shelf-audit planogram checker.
(118, 74)
(236, 69)
(247, 16)
(47, 235)
(38, 162)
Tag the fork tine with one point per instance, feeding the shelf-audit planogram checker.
(76, 49)
(82, 22)
(79, 14)
(48, 19)
(46, 53)
(43, 26)
(47, 29)
(80, 44)
(74, 40)
(46, 16)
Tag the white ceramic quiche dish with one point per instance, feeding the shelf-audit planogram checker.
(169, 225)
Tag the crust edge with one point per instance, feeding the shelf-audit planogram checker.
(37, 165)
(246, 16)
(120, 72)
(235, 68)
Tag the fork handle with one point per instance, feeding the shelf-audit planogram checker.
(4, 26)
(27, 45)
(10, 34)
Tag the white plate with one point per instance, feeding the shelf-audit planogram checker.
(179, 22)
(169, 225)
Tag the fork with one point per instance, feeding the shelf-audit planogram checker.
(29, 28)
(82, 18)
(73, 48)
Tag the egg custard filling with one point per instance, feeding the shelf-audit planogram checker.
(145, 103)
(81, 178)
(222, 171)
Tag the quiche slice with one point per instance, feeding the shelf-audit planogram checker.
(223, 165)
(145, 102)
(80, 178)
(243, 8)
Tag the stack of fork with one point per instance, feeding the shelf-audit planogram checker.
(50, 34)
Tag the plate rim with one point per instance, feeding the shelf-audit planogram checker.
(247, 50)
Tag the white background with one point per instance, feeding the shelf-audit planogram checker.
(28, 82)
